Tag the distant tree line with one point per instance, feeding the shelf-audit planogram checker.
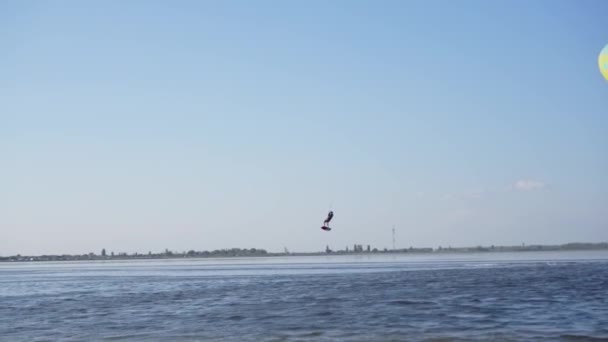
(218, 253)
(257, 252)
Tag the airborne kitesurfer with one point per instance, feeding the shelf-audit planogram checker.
(329, 217)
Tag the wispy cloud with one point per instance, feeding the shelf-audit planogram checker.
(528, 185)
(486, 193)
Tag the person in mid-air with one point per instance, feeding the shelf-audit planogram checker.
(329, 217)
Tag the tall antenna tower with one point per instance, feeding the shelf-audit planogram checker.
(393, 237)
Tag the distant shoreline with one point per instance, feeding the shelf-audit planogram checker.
(253, 252)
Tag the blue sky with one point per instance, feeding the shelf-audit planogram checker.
(145, 125)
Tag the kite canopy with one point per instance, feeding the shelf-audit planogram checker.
(603, 62)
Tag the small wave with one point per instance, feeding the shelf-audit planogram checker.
(409, 302)
(569, 337)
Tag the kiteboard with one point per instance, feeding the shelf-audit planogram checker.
(326, 228)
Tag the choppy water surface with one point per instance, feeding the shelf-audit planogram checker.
(500, 296)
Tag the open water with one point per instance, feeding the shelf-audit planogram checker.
(495, 296)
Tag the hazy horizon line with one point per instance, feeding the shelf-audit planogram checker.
(287, 251)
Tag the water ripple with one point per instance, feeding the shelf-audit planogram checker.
(341, 301)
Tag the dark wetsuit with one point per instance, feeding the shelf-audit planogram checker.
(329, 217)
